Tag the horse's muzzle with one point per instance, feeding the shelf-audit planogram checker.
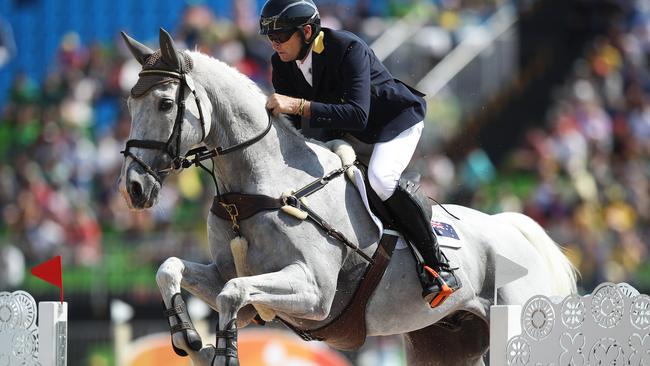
(141, 187)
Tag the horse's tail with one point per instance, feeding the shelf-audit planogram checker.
(561, 270)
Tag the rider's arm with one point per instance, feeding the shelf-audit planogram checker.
(282, 85)
(352, 113)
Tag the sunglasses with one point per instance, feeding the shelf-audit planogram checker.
(281, 37)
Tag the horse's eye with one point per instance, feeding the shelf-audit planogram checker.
(165, 105)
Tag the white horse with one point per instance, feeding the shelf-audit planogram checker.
(292, 269)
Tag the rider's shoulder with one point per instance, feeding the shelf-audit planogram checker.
(341, 40)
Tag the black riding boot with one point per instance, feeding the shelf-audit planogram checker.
(412, 218)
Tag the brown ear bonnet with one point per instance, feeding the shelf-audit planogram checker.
(155, 62)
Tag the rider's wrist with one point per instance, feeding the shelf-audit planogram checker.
(301, 107)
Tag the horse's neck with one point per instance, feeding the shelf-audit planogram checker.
(238, 115)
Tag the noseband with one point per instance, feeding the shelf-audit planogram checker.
(173, 145)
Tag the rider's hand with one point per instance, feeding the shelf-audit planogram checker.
(279, 103)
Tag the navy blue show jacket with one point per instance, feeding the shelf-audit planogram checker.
(352, 91)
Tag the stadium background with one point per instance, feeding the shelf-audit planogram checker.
(537, 106)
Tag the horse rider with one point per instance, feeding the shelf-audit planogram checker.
(331, 83)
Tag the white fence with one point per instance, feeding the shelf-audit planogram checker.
(610, 326)
(24, 343)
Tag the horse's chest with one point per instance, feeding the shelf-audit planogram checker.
(270, 243)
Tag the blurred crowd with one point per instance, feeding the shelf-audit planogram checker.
(60, 138)
(585, 174)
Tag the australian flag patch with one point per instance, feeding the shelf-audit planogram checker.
(444, 229)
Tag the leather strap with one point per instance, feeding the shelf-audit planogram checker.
(247, 204)
(348, 330)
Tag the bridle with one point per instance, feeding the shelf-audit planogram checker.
(172, 146)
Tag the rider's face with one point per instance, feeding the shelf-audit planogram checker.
(289, 50)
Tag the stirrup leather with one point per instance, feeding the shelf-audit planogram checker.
(445, 290)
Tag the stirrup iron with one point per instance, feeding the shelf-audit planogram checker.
(445, 290)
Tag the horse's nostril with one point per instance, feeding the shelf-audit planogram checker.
(135, 189)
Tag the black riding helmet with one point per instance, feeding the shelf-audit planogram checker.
(289, 15)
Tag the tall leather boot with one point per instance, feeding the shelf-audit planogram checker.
(437, 278)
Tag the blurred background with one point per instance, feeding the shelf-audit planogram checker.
(536, 106)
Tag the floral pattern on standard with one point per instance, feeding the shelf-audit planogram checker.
(572, 349)
(539, 317)
(573, 311)
(641, 350)
(610, 326)
(607, 351)
(518, 352)
(18, 331)
(640, 312)
(607, 305)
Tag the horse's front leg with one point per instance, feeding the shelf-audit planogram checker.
(203, 281)
(292, 290)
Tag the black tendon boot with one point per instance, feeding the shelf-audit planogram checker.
(411, 217)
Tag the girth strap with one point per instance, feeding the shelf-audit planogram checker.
(348, 330)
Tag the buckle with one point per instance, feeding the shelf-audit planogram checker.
(232, 211)
(291, 200)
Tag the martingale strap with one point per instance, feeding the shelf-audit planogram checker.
(348, 330)
(235, 206)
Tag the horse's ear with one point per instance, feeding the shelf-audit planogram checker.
(168, 50)
(139, 51)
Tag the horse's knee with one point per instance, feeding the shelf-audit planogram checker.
(170, 271)
(321, 310)
(232, 297)
(318, 304)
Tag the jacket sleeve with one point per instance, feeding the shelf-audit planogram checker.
(352, 113)
(281, 85)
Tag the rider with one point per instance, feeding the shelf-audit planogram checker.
(332, 83)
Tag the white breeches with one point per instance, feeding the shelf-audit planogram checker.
(390, 158)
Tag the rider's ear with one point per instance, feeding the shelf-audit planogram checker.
(308, 30)
(168, 50)
(138, 50)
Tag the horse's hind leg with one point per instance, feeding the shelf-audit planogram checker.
(464, 344)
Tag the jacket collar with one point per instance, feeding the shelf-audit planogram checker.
(318, 60)
(319, 45)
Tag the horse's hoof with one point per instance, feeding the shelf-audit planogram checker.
(179, 351)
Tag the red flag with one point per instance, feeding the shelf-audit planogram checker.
(50, 271)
